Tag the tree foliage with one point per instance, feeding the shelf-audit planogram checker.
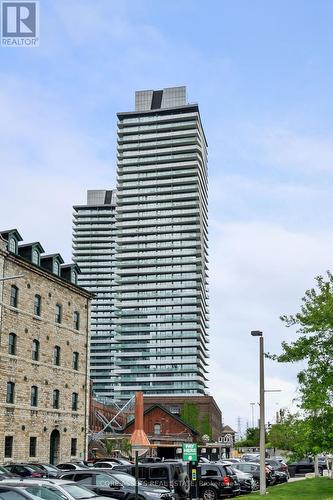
(252, 438)
(313, 433)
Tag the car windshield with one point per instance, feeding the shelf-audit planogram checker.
(3, 470)
(125, 479)
(78, 492)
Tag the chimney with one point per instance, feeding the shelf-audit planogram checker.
(139, 437)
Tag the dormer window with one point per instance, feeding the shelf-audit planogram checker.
(56, 267)
(35, 257)
(12, 246)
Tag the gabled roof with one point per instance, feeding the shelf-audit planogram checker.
(33, 244)
(226, 428)
(165, 410)
(53, 256)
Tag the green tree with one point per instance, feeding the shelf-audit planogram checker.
(251, 439)
(314, 348)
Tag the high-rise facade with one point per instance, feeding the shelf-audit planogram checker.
(93, 248)
(160, 285)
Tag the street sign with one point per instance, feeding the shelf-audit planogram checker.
(190, 452)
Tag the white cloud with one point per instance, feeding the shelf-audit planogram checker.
(258, 272)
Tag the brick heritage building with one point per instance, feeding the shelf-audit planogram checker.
(206, 406)
(44, 346)
(162, 427)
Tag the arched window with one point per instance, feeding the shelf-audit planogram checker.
(157, 429)
(37, 305)
(75, 361)
(74, 277)
(34, 395)
(75, 400)
(56, 399)
(76, 320)
(58, 313)
(13, 296)
(10, 396)
(56, 355)
(35, 350)
(56, 268)
(12, 338)
(35, 257)
(12, 245)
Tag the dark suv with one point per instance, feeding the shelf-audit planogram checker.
(217, 481)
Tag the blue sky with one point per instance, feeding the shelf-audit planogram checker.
(262, 74)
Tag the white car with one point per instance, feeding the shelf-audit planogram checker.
(53, 489)
(108, 464)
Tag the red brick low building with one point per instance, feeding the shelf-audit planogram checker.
(206, 405)
(161, 426)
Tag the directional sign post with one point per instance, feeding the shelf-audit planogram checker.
(190, 452)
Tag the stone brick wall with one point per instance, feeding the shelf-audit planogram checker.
(20, 419)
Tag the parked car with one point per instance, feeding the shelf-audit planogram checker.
(246, 481)
(107, 464)
(116, 485)
(25, 470)
(120, 461)
(54, 489)
(5, 473)
(304, 466)
(217, 481)
(11, 493)
(276, 465)
(72, 466)
(254, 469)
(251, 457)
(171, 475)
(50, 470)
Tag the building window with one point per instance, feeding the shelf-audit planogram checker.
(35, 257)
(75, 361)
(56, 399)
(74, 277)
(33, 447)
(12, 245)
(75, 398)
(157, 429)
(12, 343)
(34, 395)
(13, 296)
(8, 446)
(76, 320)
(37, 305)
(35, 350)
(56, 268)
(10, 392)
(58, 311)
(56, 355)
(73, 447)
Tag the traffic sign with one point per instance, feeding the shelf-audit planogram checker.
(190, 452)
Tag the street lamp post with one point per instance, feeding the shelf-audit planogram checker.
(259, 334)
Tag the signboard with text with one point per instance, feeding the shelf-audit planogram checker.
(190, 452)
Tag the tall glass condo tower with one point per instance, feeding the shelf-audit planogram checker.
(160, 308)
(93, 249)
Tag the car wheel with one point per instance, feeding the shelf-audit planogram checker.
(209, 494)
(256, 484)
